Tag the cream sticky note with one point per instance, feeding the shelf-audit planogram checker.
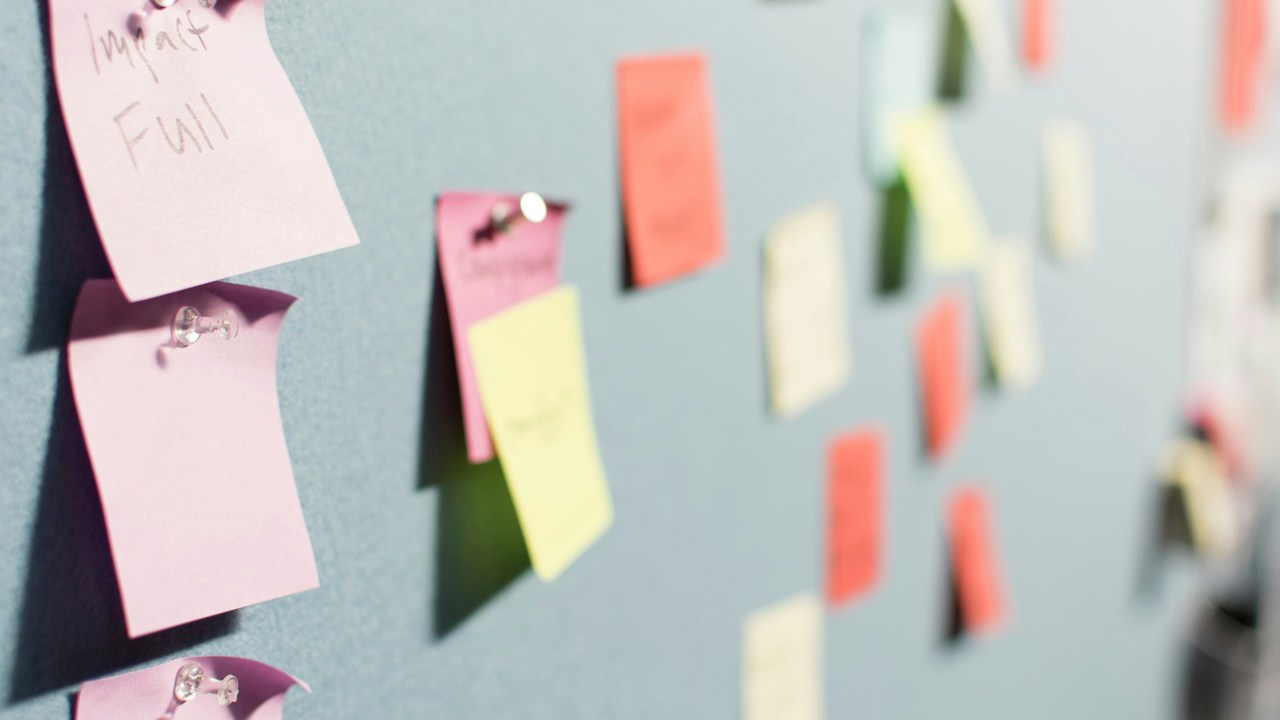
(1009, 313)
(955, 232)
(198, 159)
(1197, 470)
(532, 372)
(149, 693)
(896, 82)
(782, 661)
(189, 453)
(1068, 167)
(992, 42)
(805, 309)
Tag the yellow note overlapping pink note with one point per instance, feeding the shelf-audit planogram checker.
(487, 270)
(531, 369)
(189, 453)
(198, 159)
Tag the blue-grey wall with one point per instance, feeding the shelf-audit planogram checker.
(427, 608)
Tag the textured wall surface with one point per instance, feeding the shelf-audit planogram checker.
(427, 607)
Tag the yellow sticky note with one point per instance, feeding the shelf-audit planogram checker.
(955, 232)
(531, 369)
(1009, 313)
(782, 661)
(1196, 468)
(805, 309)
(1068, 166)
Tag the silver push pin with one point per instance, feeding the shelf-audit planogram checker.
(192, 681)
(189, 325)
(531, 208)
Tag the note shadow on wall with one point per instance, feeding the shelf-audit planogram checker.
(627, 281)
(69, 248)
(479, 547)
(893, 265)
(71, 628)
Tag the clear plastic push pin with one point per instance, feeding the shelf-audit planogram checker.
(192, 681)
(189, 325)
(531, 208)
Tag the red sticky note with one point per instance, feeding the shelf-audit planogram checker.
(855, 471)
(1242, 48)
(1037, 33)
(670, 180)
(973, 561)
(945, 379)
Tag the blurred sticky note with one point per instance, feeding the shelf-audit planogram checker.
(148, 693)
(782, 661)
(895, 55)
(1037, 33)
(1009, 313)
(670, 176)
(855, 526)
(532, 372)
(189, 453)
(1196, 469)
(992, 42)
(978, 584)
(1068, 164)
(484, 272)
(946, 383)
(955, 232)
(1243, 51)
(198, 159)
(806, 309)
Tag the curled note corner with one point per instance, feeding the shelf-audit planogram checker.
(149, 693)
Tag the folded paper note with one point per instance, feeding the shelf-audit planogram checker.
(782, 661)
(955, 232)
(189, 453)
(895, 61)
(197, 157)
(670, 178)
(806, 309)
(976, 572)
(1068, 163)
(1037, 33)
(989, 34)
(486, 270)
(855, 511)
(1009, 314)
(532, 373)
(149, 694)
(946, 382)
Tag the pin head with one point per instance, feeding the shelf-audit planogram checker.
(533, 207)
(229, 691)
(189, 325)
(530, 208)
(187, 685)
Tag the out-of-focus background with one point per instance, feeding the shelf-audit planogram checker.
(427, 607)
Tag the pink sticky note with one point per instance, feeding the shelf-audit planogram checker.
(189, 453)
(197, 157)
(148, 694)
(486, 272)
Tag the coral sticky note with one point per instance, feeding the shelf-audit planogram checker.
(532, 373)
(670, 176)
(782, 661)
(946, 380)
(486, 271)
(1009, 313)
(955, 232)
(976, 571)
(1037, 33)
(198, 159)
(855, 512)
(189, 453)
(149, 693)
(805, 309)
(895, 61)
(1068, 167)
(1243, 46)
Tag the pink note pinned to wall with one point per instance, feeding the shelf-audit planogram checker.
(485, 271)
(189, 453)
(148, 694)
(198, 159)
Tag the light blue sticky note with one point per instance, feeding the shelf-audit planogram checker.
(896, 79)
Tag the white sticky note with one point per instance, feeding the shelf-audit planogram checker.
(992, 41)
(805, 309)
(782, 661)
(896, 81)
(1068, 165)
(1009, 313)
